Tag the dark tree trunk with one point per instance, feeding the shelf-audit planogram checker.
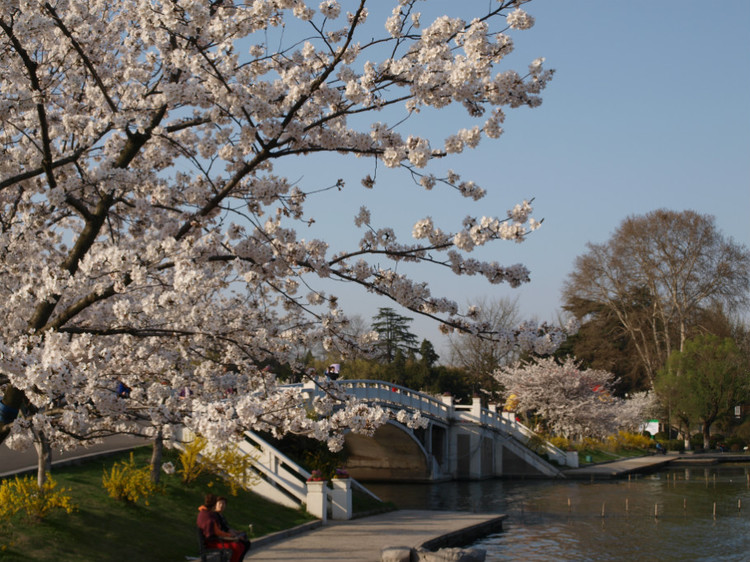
(706, 435)
(44, 457)
(156, 454)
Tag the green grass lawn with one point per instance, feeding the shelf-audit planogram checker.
(104, 529)
(600, 455)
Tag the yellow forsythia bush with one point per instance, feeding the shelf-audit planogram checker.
(235, 466)
(125, 481)
(190, 459)
(24, 495)
(588, 444)
(228, 462)
(562, 443)
(627, 440)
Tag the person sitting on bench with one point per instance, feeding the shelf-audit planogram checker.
(209, 524)
(240, 536)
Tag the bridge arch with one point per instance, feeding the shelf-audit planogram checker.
(393, 453)
(459, 441)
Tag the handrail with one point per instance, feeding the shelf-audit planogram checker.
(283, 472)
(381, 391)
(281, 478)
(389, 394)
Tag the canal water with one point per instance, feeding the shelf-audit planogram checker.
(680, 513)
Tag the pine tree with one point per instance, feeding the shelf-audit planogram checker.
(394, 333)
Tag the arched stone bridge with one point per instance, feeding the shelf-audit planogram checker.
(459, 442)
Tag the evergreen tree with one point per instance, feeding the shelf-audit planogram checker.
(428, 353)
(394, 333)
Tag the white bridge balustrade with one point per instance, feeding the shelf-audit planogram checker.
(461, 441)
(392, 394)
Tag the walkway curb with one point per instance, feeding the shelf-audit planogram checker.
(363, 540)
(286, 533)
(466, 535)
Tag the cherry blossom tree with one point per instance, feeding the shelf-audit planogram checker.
(571, 401)
(149, 233)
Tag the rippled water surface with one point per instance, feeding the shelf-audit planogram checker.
(676, 514)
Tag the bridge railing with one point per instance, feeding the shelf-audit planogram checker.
(389, 393)
(506, 422)
(400, 396)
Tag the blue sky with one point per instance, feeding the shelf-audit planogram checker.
(649, 108)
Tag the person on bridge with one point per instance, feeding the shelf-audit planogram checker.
(333, 371)
(208, 523)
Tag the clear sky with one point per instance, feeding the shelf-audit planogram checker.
(649, 108)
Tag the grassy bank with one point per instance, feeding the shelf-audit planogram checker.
(103, 529)
(602, 455)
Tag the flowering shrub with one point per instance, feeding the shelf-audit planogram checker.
(560, 442)
(24, 495)
(589, 443)
(627, 440)
(190, 460)
(316, 476)
(128, 483)
(228, 462)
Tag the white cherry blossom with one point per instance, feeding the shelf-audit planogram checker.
(153, 225)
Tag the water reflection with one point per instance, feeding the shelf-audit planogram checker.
(682, 513)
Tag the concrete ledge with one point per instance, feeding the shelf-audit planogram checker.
(452, 555)
(286, 533)
(466, 535)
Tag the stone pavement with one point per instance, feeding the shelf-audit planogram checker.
(361, 540)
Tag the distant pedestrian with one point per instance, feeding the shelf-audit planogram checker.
(333, 371)
(123, 390)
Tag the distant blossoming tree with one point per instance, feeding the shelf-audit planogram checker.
(571, 401)
(148, 233)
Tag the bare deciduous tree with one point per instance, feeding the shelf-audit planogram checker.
(656, 274)
(481, 356)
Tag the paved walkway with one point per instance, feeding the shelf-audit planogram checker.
(617, 469)
(13, 462)
(361, 540)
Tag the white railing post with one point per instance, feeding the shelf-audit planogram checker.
(571, 459)
(341, 499)
(476, 407)
(317, 499)
(447, 399)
